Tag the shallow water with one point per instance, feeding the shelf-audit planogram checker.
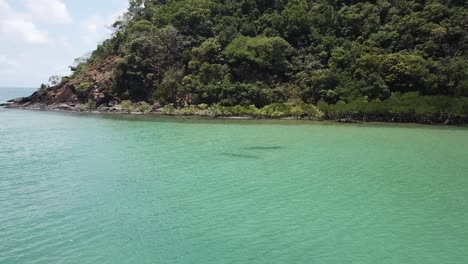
(104, 189)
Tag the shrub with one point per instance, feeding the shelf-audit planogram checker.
(168, 109)
(312, 111)
(144, 107)
(90, 105)
(296, 111)
(43, 87)
(203, 106)
(408, 107)
(84, 86)
(188, 110)
(127, 106)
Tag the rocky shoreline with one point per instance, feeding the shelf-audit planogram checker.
(71, 107)
(158, 112)
(39, 103)
(118, 110)
(67, 98)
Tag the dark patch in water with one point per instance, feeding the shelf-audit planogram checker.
(236, 155)
(264, 148)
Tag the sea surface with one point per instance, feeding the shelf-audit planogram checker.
(79, 188)
(12, 93)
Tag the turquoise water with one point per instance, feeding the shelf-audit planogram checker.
(102, 189)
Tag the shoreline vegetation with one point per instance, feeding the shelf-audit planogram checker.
(382, 61)
(400, 108)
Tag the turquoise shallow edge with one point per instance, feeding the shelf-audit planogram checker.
(93, 188)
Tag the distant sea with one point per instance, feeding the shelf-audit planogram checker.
(11, 93)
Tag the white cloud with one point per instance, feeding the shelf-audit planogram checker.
(4, 7)
(50, 11)
(11, 65)
(39, 38)
(94, 28)
(62, 42)
(92, 24)
(13, 24)
(24, 30)
(7, 65)
(30, 68)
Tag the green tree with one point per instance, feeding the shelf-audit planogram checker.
(405, 72)
(259, 57)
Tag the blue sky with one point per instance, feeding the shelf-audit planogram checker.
(40, 38)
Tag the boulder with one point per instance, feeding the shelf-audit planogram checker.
(345, 120)
(116, 108)
(65, 94)
(99, 98)
(79, 108)
(103, 108)
(156, 106)
(65, 107)
(20, 100)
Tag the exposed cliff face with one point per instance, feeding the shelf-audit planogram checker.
(47, 98)
(70, 94)
(101, 76)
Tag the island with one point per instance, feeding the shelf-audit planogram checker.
(386, 61)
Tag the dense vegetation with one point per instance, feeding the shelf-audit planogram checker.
(350, 57)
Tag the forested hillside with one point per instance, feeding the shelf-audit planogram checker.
(340, 55)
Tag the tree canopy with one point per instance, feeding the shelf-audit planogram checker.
(264, 51)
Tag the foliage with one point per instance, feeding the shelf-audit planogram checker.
(170, 87)
(275, 110)
(43, 87)
(147, 58)
(127, 106)
(90, 105)
(258, 57)
(84, 86)
(144, 107)
(168, 109)
(408, 107)
(332, 53)
(55, 80)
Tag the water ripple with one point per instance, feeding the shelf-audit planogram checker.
(80, 189)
